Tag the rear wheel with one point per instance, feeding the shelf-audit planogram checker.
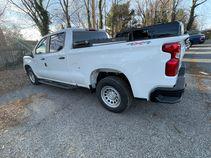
(32, 77)
(114, 94)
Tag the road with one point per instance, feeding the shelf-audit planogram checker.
(198, 59)
(44, 121)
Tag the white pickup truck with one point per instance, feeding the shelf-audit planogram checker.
(118, 70)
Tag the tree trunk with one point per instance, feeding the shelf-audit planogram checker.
(87, 4)
(93, 15)
(100, 14)
(65, 8)
(67, 14)
(191, 18)
(174, 9)
(44, 22)
(37, 12)
(195, 4)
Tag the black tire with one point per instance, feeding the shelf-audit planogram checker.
(191, 43)
(120, 86)
(30, 73)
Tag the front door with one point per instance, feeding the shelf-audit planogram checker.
(56, 59)
(39, 65)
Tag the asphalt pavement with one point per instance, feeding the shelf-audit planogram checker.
(198, 58)
(49, 122)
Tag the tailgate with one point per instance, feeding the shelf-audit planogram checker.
(184, 47)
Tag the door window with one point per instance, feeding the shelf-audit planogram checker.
(41, 48)
(57, 42)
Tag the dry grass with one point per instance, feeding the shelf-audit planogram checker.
(15, 112)
(12, 79)
(201, 86)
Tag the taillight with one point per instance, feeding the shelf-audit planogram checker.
(173, 64)
(202, 38)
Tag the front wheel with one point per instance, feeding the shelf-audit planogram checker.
(32, 77)
(114, 94)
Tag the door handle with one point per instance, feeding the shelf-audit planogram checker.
(42, 59)
(61, 58)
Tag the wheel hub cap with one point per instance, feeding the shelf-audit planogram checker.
(110, 96)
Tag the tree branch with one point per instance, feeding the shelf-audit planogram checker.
(199, 3)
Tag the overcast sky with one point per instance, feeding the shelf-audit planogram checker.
(29, 31)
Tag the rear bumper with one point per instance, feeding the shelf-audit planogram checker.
(171, 95)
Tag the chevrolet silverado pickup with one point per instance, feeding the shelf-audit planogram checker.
(118, 70)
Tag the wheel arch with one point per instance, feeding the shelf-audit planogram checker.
(26, 67)
(101, 73)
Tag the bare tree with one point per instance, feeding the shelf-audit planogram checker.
(80, 20)
(145, 10)
(2, 11)
(164, 10)
(69, 13)
(100, 7)
(87, 5)
(93, 14)
(65, 8)
(36, 10)
(195, 4)
(158, 11)
(175, 4)
(117, 1)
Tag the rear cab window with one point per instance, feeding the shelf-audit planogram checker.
(88, 35)
(140, 35)
(165, 30)
(84, 38)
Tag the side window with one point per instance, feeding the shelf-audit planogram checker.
(57, 42)
(140, 35)
(41, 48)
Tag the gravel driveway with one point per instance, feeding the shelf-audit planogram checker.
(49, 122)
(44, 121)
(11, 79)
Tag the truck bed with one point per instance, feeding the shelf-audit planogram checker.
(99, 42)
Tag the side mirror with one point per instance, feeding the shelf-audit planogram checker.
(60, 48)
(81, 44)
(31, 55)
(38, 53)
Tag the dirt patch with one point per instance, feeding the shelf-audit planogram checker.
(199, 78)
(201, 86)
(12, 79)
(15, 112)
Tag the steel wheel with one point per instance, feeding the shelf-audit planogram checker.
(114, 94)
(31, 76)
(110, 96)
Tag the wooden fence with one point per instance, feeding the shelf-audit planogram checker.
(12, 57)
